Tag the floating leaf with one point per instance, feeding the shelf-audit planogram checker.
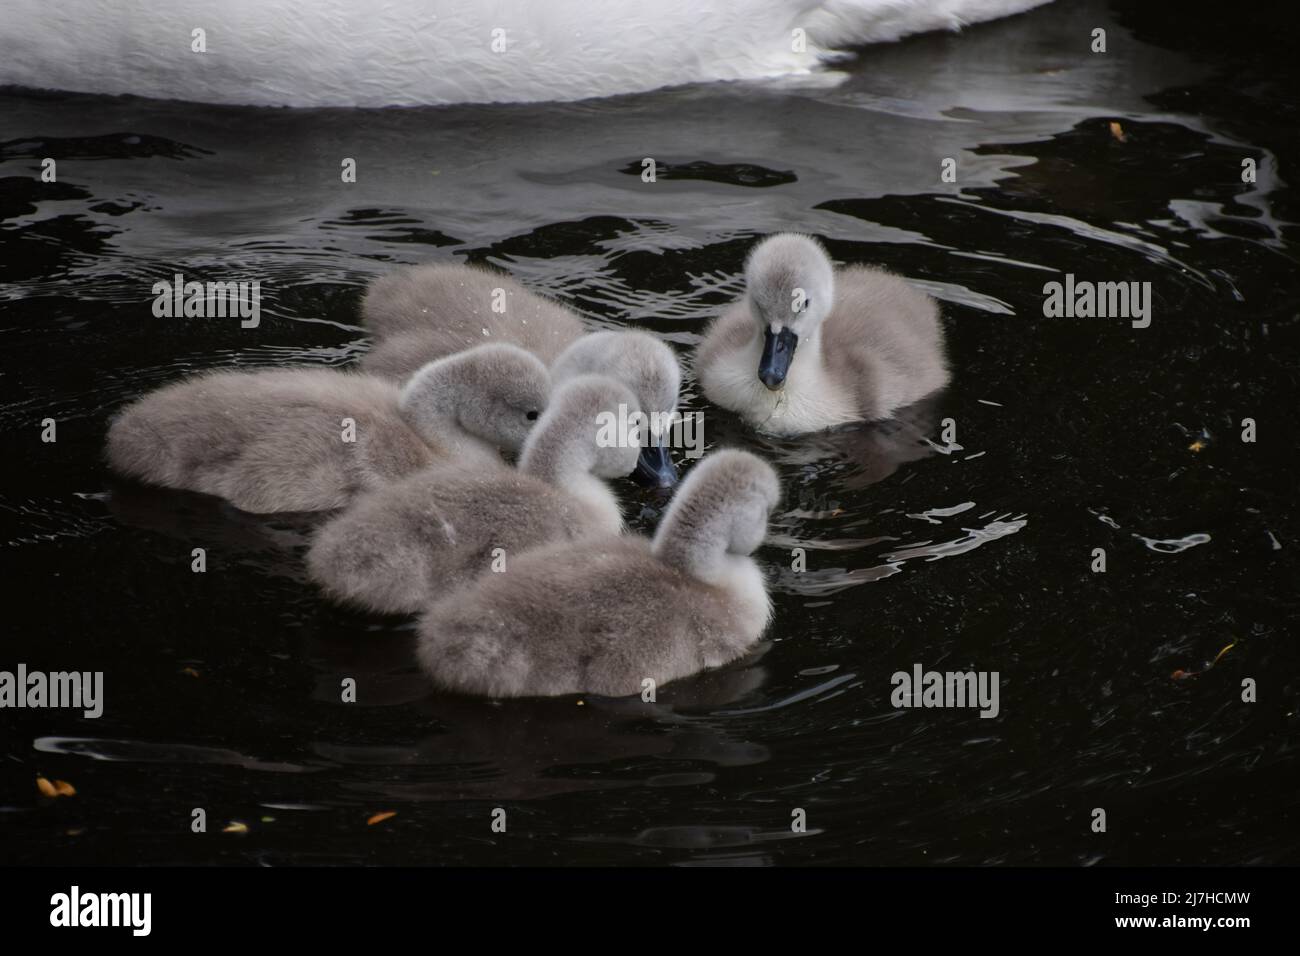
(46, 788)
(381, 817)
(1117, 132)
(1196, 445)
(1180, 674)
(235, 827)
(189, 672)
(64, 789)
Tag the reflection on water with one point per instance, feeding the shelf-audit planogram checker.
(959, 536)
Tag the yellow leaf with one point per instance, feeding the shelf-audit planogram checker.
(1222, 652)
(381, 817)
(236, 827)
(189, 672)
(64, 789)
(1117, 132)
(46, 788)
(1196, 445)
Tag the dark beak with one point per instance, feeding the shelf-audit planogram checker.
(778, 350)
(655, 468)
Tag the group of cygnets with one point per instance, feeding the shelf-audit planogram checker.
(524, 579)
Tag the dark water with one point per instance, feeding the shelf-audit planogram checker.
(222, 688)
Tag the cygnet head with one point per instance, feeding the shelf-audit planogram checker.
(646, 365)
(493, 392)
(790, 283)
(721, 508)
(578, 433)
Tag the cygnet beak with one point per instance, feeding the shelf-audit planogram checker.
(778, 350)
(655, 468)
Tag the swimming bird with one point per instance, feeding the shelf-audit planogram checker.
(341, 53)
(397, 547)
(810, 347)
(427, 312)
(649, 367)
(309, 439)
(604, 615)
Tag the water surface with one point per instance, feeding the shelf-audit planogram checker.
(1070, 434)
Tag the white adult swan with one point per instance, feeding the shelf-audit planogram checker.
(414, 52)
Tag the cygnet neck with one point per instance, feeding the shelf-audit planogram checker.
(695, 538)
(560, 453)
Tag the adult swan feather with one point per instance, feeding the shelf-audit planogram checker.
(429, 52)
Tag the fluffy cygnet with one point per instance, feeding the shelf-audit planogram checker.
(604, 615)
(422, 313)
(396, 548)
(426, 312)
(649, 367)
(309, 439)
(810, 347)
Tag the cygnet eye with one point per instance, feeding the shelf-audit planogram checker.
(532, 416)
